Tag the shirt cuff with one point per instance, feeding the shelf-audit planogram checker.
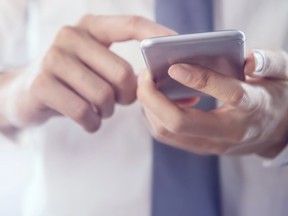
(280, 160)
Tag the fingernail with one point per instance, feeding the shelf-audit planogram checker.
(179, 72)
(259, 62)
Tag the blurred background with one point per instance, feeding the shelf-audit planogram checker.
(15, 164)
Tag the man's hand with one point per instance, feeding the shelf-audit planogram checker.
(79, 77)
(253, 119)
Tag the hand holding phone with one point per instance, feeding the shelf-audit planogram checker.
(221, 51)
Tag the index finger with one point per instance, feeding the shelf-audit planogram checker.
(108, 29)
(224, 88)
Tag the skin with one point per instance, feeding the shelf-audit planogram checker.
(253, 118)
(78, 77)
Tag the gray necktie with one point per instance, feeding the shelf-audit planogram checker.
(185, 184)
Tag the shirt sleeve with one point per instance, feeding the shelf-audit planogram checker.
(280, 160)
(13, 32)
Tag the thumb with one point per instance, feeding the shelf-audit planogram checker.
(267, 63)
(180, 73)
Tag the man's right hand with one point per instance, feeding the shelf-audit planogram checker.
(79, 77)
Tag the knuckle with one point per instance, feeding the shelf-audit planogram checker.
(124, 74)
(52, 59)
(245, 134)
(107, 95)
(106, 101)
(160, 132)
(238, 97)
(66, 32)
(201, 80)
(127, 85)
(178, 123)
(127, 98)
(134, 21)
(85, 20)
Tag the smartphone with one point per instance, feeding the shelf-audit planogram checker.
(220, 51)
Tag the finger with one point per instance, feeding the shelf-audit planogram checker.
(250, 64)
(266, 63)
(188, 143)
(177, 120)
(110, 67)
(113, 69)
(224, 88)
(83, 81)
(108, 29)
(187, 103)
(57, 97)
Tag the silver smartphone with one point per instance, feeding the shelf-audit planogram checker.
(221, 51)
